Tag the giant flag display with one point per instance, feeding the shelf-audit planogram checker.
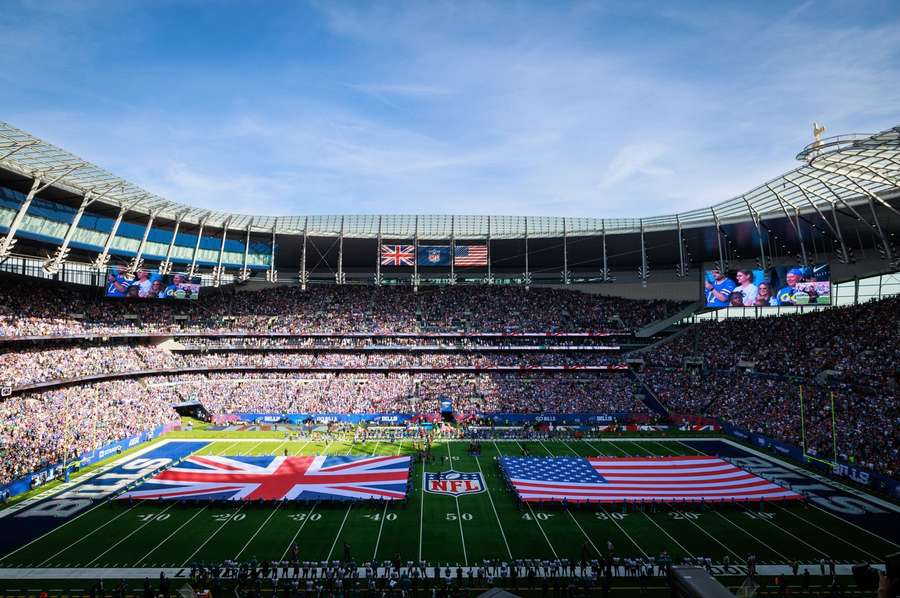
(398, 255)
(434, 255)
(212, 477)
(620, 479)
(470, 255)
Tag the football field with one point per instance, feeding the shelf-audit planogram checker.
(443, 529)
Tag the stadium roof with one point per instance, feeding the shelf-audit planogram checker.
(839, 172)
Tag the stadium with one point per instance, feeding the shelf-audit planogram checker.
(694, 403)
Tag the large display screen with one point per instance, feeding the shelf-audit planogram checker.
(781, 285)
(150, 284)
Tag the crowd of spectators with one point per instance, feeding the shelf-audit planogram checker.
(865, 427)
(37, 430)
(29, 308)
(860, 343)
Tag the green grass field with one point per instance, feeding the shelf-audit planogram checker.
(435, 528)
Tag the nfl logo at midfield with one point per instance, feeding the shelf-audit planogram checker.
(453, 483)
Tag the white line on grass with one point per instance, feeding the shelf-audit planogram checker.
(496, 516)
(297, 533)
(653, 521)
(90, 533)
(212, 535)
(384, 514)
(742, 529)
(259, 529)
(133, 532)
(530, 510)
(338, 535)
(833, 535)
(140, 561)
(300, 450)
(462, 536)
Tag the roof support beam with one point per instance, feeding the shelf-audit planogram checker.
(378, 280)
(219, 270)
(415, 278)
(527, 279)
(490, 278)
(272, 273)
(9, 241)
(644, 270)
(339, 276)
(452, 250)
(843, 253)
(165, 267)
(681, 270)
(605, 275)
(102, 258)
(795, 224)
(244, 274)
(192, 270)
(764, 262)
(138, 260)
(304, 276)
(565, 273)
(52, 264)
(17, 146)
(722, 264)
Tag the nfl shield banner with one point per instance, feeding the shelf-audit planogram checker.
(454, 483)
(433, 255)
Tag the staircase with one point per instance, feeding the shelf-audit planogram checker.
(660, 325)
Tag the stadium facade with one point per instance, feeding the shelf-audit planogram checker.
(63, 217)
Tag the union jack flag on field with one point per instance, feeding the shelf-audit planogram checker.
(277, 478)
(470, 255)
(618, 479)
(398, 255)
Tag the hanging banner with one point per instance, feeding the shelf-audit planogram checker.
(433, 255)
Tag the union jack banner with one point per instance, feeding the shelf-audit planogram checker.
(279, 478)
(398, 255)
(649, 479)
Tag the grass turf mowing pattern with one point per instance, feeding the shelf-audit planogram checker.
(440, 528)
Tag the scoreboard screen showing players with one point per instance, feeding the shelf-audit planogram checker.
(781, 285)
(150, 284)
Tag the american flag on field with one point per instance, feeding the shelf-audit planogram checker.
(277, 478)
(398, 255)
(470, 255)
(617, 479)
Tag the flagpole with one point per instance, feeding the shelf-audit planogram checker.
(833, 428)
(452, 250)
(416, 256)
(489, 279)
(378, 255)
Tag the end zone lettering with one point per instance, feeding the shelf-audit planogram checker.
(454, 483)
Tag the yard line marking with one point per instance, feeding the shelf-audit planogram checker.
(422, 509)
(533, 515)
(583, 532)
(462, 536)
(338, 535)
(496, 516)
(695, 524)
(785, 559)
(568, 446)
(227, 447)
(300, 450)
(140, 561)
(52, 530)
(640, 446)
(653, 521)
(833, 535)
(253, 448)
(300, 529)
(212, 535)
(599, 452)
(259, 529)
(80, 538)
(854, 525)
(380, 528)
(384, 514)
(133, 532)
(349, 506)
(275, 452)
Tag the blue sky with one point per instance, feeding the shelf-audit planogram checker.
(581, 109)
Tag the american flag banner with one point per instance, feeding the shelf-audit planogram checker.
(619, 479)
(470, 255)
(398, 255)
(214, 477)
